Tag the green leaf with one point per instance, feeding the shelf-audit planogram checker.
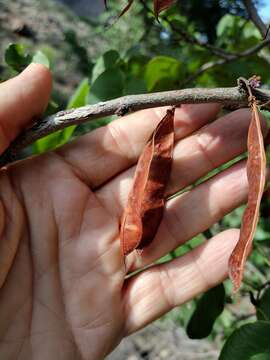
(136, 65)
(52, 108)
(107, 61)
(236, 34)
(225, 25)
(16, 57)
(109, 85)
(134, 82)
(79, 97)
(263, 307)
(249, 342)
(49, 142)
(209, 307)
(162, 73)
(134, 86)
(40, 58)
(262, 234)
(250, 31)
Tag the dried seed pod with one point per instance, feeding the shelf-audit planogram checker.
(256, 172)
(160, 5)
(123, 11)
(145, 205)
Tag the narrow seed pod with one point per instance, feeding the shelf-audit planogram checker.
(144, 209)
(256, 172)
(160, 5)
(123, 11)
(126, 8)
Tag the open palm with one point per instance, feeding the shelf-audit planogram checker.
(64, 292)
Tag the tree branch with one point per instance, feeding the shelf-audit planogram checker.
(189, 39)
(226, 96)
(233, 57)
(127, 104)
(205, 67)
(255, 17)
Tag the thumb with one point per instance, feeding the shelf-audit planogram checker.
(22, 99)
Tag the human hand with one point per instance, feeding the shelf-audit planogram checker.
(63, 291)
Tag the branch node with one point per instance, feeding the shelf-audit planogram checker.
(243, 85)
(122, 110)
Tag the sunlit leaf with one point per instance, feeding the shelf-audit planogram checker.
(40, 58)
(163, 73)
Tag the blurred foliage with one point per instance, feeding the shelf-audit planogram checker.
(18, 57)
(250, 342)
(85, 63)
(147, 55)
(78, 99)
(212, 10)
(208, 308)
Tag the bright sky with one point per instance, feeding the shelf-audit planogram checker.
(265, 11)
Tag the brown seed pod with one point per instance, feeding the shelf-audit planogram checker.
(144, 209)
(256, 172)
(160, 5)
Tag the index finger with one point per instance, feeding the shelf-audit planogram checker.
(22, 99)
